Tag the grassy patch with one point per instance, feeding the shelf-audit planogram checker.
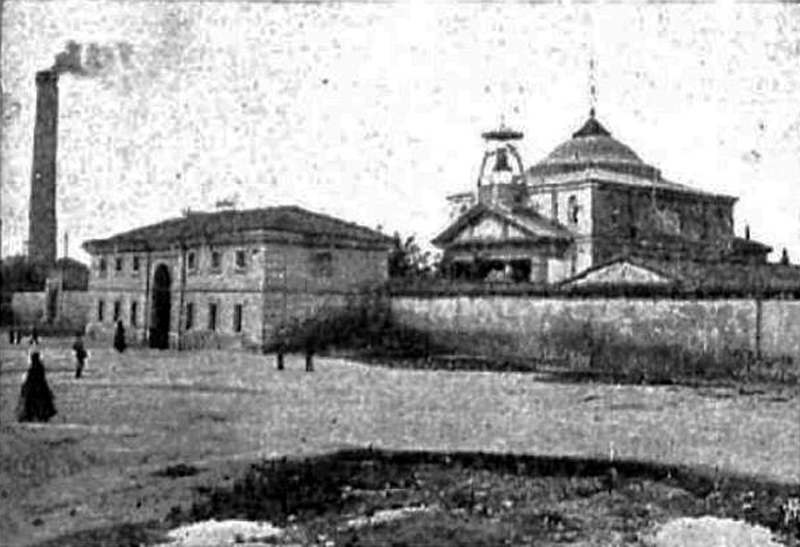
(119, 535)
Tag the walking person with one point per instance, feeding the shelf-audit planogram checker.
(35, 398)
(119, 337)
(80, 354)
(34, 335)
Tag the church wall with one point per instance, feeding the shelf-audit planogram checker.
(558, 269)
(542, 203)
(579, 224)
(623, 215)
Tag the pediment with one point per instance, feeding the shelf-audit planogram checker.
(489, 228)
(621, 273)
(484, 224)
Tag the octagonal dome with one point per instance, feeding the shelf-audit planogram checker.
(592, 146)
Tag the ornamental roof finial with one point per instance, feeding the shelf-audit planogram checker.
(592, 87)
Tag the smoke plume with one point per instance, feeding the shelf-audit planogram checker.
(93, 59)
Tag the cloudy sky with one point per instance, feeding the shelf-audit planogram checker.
(373, 112)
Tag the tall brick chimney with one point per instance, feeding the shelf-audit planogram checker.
(42, 214)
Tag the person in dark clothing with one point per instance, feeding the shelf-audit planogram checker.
(11, 336)
(35, 398)
(34, 335)
(80, 355)
(309, 358)
(119, 337)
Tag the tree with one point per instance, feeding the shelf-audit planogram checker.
(18, 274)
(407, 259)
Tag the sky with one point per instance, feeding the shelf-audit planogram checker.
(373, 112)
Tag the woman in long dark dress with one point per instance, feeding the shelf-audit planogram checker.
(35, 398)
(119, 337)
(80, 355)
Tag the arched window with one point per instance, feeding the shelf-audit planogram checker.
(572, 209)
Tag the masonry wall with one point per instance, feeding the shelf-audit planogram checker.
(622, 215)
(29, 307)
(72, 308)
(526, 326)
(278, 281)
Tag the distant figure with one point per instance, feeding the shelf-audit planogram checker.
(309, 358)
(119, 337)
(11, 335)
(80, 355)
(281, 346)
(35, 398)
(34, 335)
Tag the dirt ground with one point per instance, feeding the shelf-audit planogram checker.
(133, 415)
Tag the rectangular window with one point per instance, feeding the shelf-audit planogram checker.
(103, 267)
(212, 317)
(322, 264)
(189, 315)
(134, 314)
(191, 261)
(241, 260)
(118, 264)
(117, 310)
(101, 308)
(237, 318)
(216, 261)
(135, 264)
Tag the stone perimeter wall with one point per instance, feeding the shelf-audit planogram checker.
(72, 308)
(523, 325)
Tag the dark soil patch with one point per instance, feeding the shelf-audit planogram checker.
(467, 499)
(486, 499)
(177, 471)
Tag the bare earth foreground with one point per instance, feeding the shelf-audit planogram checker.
(134, 415)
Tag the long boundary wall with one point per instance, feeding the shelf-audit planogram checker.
(524, 325)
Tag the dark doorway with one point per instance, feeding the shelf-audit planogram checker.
(162, 302)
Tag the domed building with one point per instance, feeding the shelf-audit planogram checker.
(589, 202)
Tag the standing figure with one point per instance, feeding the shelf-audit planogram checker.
(309, 358)
(34, 335)
(119, 337)
(281, 346)
(80, 355)
(35, 398)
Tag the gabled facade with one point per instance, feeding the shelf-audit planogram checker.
(506, 244)
(605, 202)
(230, 277)
(781, 280)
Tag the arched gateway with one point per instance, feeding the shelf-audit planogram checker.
(162, 302)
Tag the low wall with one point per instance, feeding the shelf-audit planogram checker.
(71, 308)
(528, 325)
(28, 307)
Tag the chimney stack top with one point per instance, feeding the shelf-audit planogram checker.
(48, 76)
